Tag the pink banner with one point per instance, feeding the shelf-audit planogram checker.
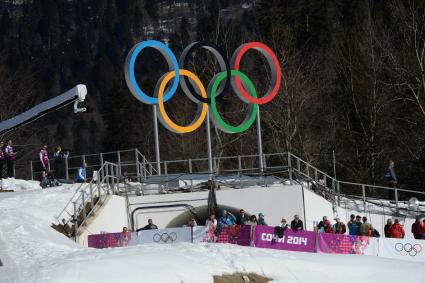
(265, 237)
(345, 244)
(239, 235)
(109, 240)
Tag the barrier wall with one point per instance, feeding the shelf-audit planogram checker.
(346, 244)
(265, 237)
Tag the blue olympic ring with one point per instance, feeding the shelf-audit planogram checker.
(172, 65)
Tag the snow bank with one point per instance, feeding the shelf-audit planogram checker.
(31, 251)
(19, 185)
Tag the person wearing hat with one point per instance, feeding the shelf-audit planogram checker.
(2, 159)
(339, 227)
(261, 220)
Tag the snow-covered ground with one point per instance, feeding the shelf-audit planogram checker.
(19, 185)
(31, 251)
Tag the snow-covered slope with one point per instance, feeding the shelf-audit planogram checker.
(31, 251)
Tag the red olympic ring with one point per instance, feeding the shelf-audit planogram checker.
(271, 55)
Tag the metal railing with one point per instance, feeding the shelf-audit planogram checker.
(131, 160)
(89, 196)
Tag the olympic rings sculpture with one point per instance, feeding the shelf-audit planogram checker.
(408, 249)
(205, 98)
(164, 237)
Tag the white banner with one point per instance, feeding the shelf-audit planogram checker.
(201, 234)
(165, 236)
(402, 249)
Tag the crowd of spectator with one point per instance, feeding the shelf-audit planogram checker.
(357, 226)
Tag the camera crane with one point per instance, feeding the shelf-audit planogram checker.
(77, 95)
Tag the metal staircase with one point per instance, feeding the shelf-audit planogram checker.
(87, 199)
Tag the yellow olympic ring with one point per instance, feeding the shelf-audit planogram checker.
(197, 122)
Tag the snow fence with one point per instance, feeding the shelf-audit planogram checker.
(266, 237)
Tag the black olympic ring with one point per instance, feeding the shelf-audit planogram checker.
(164, 237)
(408, 248)
(186, 85)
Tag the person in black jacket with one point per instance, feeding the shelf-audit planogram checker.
(150, 226)
(59, 157)
(297, 224)
(241, 219)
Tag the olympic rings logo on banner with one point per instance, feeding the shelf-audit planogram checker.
(195, 90)
(164, 237)
(408, 249)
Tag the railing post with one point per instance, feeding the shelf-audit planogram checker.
(239, 165)
(364, 197)
(91, 196)
(66, 168)
(264, 163)
(290, 168)
(339, 192)
(119, 162)
(101, 159)
(84, 204)
(214, 166)
(31, 170)
(75, 214)
(396, 198)
(298, 165)
(84, 162)
(136, 158)
(190, 166)
(165, 168)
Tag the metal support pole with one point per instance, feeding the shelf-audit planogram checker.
(84, 205)
(165, 168)
(190, 166)
(239, 165)
(91, 196)
(333, 153)
(259, 142)
(66, 168)
(119, 162)
(364, 197)
(31, 170)
(339, 192)
(396, 198)
(156, 137)
(101, 159)
(290, 168)
(209, 147)
(136, 158)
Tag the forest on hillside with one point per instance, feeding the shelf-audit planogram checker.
(353, 77)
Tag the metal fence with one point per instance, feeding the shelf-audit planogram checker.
(283, 165)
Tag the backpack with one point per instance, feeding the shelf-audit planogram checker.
(278, 231)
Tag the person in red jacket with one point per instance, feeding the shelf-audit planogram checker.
(397, 231)
(417, 228)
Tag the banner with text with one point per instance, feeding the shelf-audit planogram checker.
(402, 249)
(265, 237)
(345, 244)
(165, 236)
